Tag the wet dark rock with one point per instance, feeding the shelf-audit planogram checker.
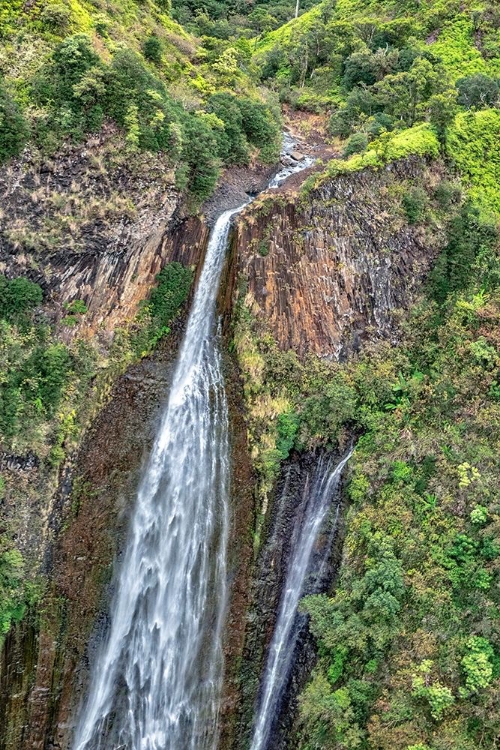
(11, 462)
(266, 585)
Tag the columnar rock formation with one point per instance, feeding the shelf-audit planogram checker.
(328, 269)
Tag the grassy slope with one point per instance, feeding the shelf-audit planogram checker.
(27, 39)
(454, 42)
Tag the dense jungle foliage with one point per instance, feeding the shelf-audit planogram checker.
(409, 641)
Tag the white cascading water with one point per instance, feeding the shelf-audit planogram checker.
(281, 649)
(157, 681)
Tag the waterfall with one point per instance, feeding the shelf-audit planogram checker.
(156, 683)
(289, 623)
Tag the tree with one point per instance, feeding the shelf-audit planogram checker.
(200, 154)
(477, 91)
(13, 126)
(72, 59)
(227, 65)
(402, 94)
(356, 144)
(152, 49)
(18, 296)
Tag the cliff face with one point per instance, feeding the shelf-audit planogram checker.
(331, 268)
(87, 225)
(94, 223)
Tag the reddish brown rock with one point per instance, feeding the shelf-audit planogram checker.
(331, 268)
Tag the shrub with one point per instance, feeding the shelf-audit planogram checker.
(164, 5)
(288, 425)
(232, 141)
(55, 17)
(76, 307)
(47, 370)
(72, 59)
(471, 245)
(446, 194)
(139, 103)
(356, 144)
(477, 663)
(199, 152)
(380, 123)
(341, 122)
(11, 572)
(360, 68)
(173, 285)
(415, 204)
(71, 88)
(260, 127)
(472, 143)
(477, 91)
(13, 126)
(18, 296)
(152, 49)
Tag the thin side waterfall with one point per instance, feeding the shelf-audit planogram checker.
(288, 625)
(157, 681)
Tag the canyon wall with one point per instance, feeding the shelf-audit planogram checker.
(329, 268)
(94, 223)
(320, 273)
(86, 225)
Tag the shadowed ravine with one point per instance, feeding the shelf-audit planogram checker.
(156, 683)
(301, 577)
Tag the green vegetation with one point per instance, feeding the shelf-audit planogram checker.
(77, 69)
(235, 19)
(409, 642)
(13, 127)
(379, 68)
(12, 605)
(173, 285)
(472, 144)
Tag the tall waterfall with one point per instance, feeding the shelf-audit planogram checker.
(157, 682)
(288, 625)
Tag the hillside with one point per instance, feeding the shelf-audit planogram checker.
(409, 643)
